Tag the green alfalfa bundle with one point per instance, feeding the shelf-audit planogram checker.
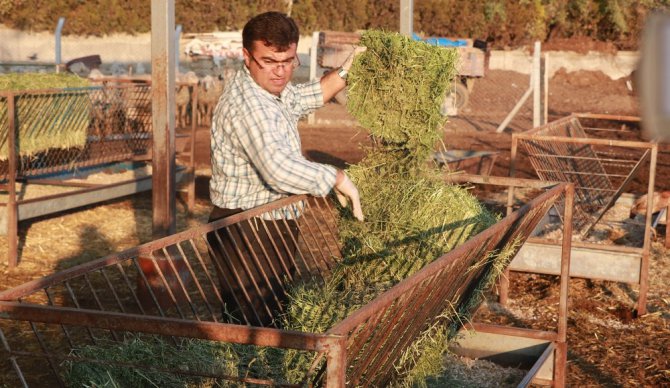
(54, 119)
(411, 216)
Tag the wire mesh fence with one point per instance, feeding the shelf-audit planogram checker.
(492, 98)
(56, 130)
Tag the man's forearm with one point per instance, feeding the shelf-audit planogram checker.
(331, 84)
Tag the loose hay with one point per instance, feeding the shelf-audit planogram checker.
(46, 120)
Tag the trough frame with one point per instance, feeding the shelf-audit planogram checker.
(603, 259)
(352, 349)
(85, 193)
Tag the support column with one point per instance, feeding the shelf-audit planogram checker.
(162, 109)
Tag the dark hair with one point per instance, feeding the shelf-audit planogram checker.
(274, 29)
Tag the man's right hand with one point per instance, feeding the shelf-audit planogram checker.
(345, 190)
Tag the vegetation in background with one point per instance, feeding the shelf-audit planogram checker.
(500, 22)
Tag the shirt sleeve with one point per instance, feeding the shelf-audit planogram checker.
(310, 97)
(282, 168)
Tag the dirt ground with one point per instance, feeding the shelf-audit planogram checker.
(608, 346)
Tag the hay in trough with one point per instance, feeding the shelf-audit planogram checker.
(45, 119)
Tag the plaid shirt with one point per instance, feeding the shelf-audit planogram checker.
(255, 145)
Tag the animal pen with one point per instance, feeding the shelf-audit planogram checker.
(66, 148)
(167, 290)
(600, 155)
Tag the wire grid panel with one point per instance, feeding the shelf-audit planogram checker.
(60, 129)
(599, 171)
(447, 291)
(491, 99)
(174, 283)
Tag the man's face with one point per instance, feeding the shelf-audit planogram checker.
(271, 69)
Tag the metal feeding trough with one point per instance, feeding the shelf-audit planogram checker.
(600, 155)
(58, 134)
(175, 289)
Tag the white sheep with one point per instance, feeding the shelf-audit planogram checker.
(209, 91)
(185, 82)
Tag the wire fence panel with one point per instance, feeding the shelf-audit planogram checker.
(59, 130)
(491, 99)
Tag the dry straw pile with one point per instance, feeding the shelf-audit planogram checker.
(46, 120)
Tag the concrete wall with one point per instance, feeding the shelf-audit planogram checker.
(615, 66)
(16, 46)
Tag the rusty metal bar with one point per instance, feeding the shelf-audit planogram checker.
(646, 245)
(336, 363)
(537, 365)
(238, 334)
(12, 207)
(163, 120)
(511, 331)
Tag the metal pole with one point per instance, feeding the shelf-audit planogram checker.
(566, 250)
(12, 206)
(163, 121)
(646, 245)
(537, 87)
(177, 36)
(59, 29)
(313, 55)
(406, 17)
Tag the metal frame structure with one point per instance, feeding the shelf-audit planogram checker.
(168, 289)
(117, 120)
(600, 155)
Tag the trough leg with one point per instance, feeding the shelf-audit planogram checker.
(503, 283)
(336, 363)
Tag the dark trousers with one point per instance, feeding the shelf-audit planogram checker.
(254, 263)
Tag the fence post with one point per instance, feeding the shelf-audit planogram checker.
(561, 359)
(12, 207)
(59, 29)
(545, 88)
(537, 86)
(313, 54)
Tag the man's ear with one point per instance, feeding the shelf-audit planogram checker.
(247, 57)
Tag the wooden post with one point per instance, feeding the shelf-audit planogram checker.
(162, 96)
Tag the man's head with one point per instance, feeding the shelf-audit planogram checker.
(270, 43)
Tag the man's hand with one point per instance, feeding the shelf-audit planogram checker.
(346, 191)
(350, 59)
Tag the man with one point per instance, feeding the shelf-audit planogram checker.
(256, 159)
